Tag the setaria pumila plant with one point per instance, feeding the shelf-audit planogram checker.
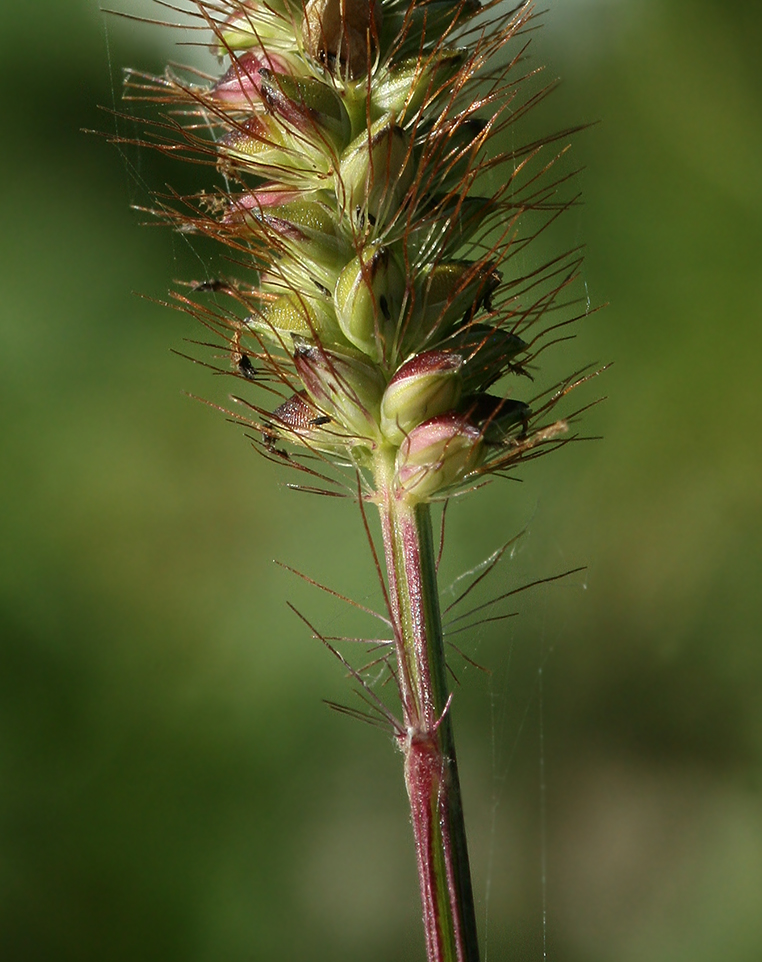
(362, 172)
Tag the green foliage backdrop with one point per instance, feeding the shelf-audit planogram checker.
(172, 786)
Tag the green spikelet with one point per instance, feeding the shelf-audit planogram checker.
(371, 206)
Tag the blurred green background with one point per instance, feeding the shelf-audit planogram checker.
(173, 787)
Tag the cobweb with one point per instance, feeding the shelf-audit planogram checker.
(517, 655)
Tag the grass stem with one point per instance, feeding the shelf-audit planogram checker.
(431, 771)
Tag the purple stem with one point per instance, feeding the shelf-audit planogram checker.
(431, 773)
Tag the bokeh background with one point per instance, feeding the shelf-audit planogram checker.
(173, 787)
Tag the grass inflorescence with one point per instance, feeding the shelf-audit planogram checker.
(376, 303)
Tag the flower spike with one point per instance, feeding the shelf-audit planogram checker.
(368, 199)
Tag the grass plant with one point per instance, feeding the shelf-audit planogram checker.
(377, 307)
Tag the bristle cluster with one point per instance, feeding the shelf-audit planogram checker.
(375, 226)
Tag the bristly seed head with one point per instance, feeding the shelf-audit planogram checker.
(367, 196)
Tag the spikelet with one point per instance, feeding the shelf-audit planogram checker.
(374, 215)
